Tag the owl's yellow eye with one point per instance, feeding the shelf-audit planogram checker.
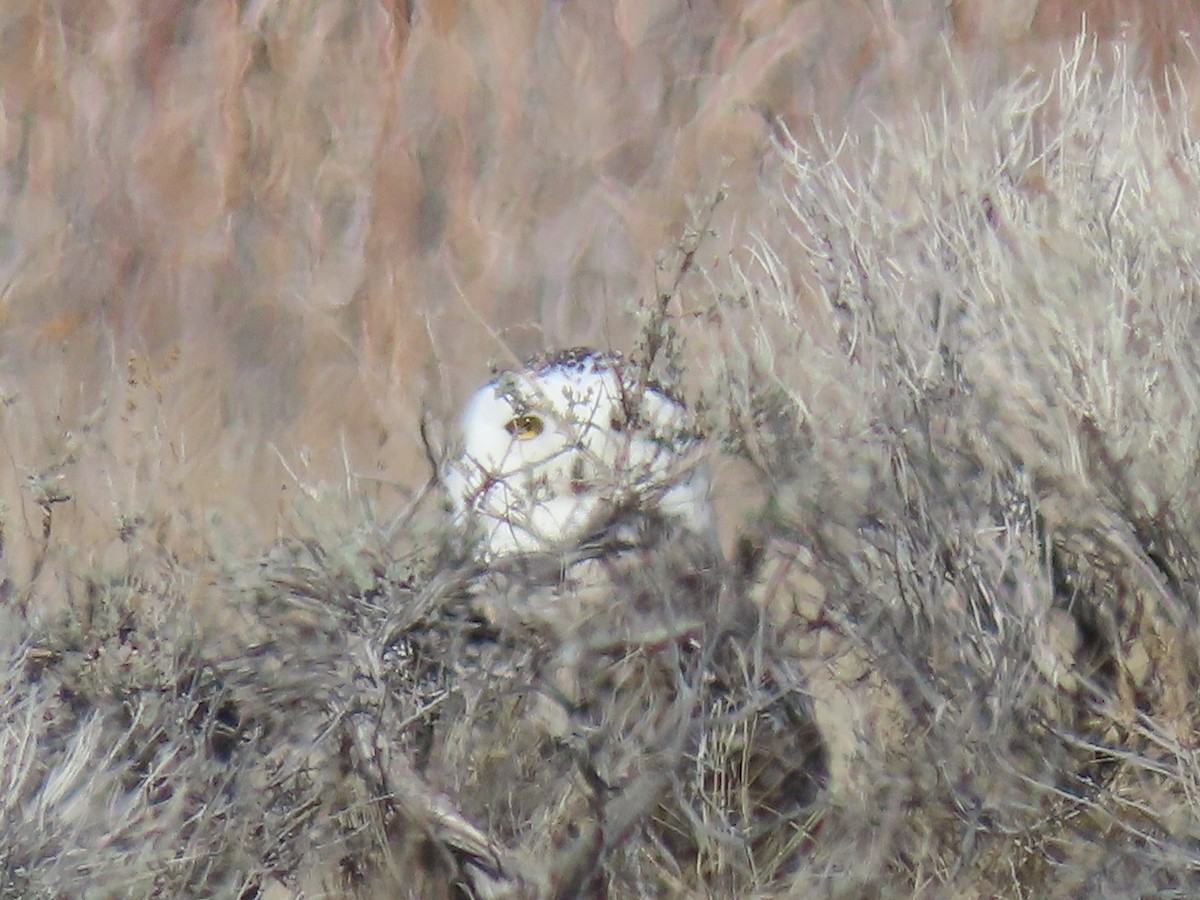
(525, 426)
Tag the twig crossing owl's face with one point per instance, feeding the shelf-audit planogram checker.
(550, 451)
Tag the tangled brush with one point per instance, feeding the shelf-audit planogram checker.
(954, 651)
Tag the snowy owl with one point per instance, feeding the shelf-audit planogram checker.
(572, 446)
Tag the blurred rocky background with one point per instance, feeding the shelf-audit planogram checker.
(235, 232)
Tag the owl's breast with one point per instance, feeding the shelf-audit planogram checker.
(529, 498)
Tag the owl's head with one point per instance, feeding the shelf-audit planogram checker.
(550, 450)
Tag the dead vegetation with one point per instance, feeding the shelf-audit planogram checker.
(953, 650)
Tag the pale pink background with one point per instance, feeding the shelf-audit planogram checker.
(239, 235)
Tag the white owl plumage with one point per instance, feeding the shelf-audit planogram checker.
(552, 451)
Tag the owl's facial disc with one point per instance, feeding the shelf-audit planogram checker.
(549, 449)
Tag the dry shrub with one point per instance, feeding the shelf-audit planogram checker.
(985, 472)
(954, 653)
